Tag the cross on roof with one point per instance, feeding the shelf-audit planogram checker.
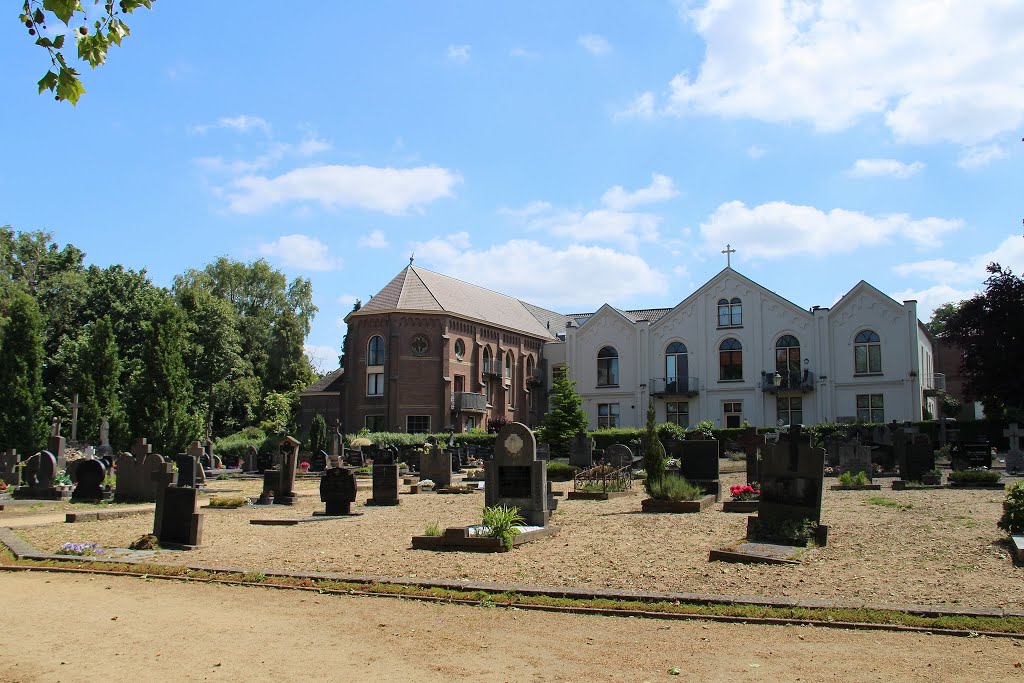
(728, 251)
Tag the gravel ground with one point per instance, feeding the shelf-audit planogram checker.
(937, 547)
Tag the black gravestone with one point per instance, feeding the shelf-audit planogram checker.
(966, 456)
(338, 491)
(264, 461)
(385, 485)
(181, 523)
(698, 463)
(186, 470)
(318, 461)
(791, 484)
(90, 474)
(919, 458)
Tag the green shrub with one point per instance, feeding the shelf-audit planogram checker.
(433, 529)
(236, 502)
(501, 523)
(674, 488)
(786, 532)
(559, 471)
(603, 486)
(850, 479)
(1012, 521)
(236, 444)
(975, 477)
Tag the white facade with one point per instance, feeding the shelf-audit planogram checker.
(816, 379)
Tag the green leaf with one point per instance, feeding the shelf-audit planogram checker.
(58, 42)
(68, 86)
(44, 42)
(64, 9)
(48, 82)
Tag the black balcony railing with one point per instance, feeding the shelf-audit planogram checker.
(464, 401)
(793, 380)
(534, 377)
(492, 367)
(675, 386)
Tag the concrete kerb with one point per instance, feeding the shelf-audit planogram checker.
(24, 551)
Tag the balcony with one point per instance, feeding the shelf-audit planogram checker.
(933, 385)
(675, 386)
(534, 377)
(492, 368)
(465, 401)
(794, 380)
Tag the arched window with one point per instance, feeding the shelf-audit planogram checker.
(509, 367)
(787, 360)
(867, 353)
(460, 349)
(730, 312)
(676, 367)
(607, 367)
(730, 360)
(375, 350)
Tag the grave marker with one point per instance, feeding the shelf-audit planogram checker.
(9, 470)
(791, 485)
(90, 475)
(338, 490)
(385, 485)
(135, 473)
(437, 467)
(698, 463)
(752, 444)
(1014, 457)
(515, 477)
(38, 475)
(581, 451)
(855, 458)
(618, 456)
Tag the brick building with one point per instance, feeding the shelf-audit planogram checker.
(430, 352)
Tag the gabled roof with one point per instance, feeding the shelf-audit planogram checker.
(419, 289)
(325, 383)
(860, 287)
(648, 314)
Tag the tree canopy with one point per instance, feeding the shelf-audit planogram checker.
(566, 417)
(989, 328)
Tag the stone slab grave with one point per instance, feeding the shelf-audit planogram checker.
(385, 485)
(970, 455)
(698, 463)
(471, 538)
(752, 443)
(436, 465)
(279, 481)
(90, 475)
(515, 477)
(135, 470)
(917, 463)
(581, 451)
(177, 522)
(792, 478)
(37, 478)
(1014, 456)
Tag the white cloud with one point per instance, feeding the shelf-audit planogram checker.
(300, 251)
(865, 168)
(930, 298)
(323, 357)
(390, 190)
(459, 53)
(756, 151)
(939, 270)
(642, 107)
(932, 70)
(347, 301)
(660, 189)
(544, 275)
(374, 240)
(243, 123)
(594, 44)
(813, 231)
(982, 155)
(523, 53)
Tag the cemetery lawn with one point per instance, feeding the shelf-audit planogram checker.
(926, 547)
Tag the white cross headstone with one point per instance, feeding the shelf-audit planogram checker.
(1014, 457)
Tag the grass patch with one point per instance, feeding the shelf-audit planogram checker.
(882, 501)
(234, 502)
(674, 488)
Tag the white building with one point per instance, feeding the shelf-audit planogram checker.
(735, 352)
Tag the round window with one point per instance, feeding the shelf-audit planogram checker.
(419, 345)
(460, 349)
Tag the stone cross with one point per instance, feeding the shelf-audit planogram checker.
(140, 449)
(1014, 432)
(728, 251)
(74, 405)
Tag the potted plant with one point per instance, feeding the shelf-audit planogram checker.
(745, 498)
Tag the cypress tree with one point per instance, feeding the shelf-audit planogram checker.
(22, 419)
(566, 416)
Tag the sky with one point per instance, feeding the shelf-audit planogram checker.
(569, 154)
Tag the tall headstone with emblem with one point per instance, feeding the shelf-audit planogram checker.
(581, 451)
(792, 476)
(436, 465)
(279, 482)
(515, 477)
(385, 485)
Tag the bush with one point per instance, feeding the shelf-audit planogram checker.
(850, 479)
(787, 532)
(674, 488)
(501, 523)
(1012, 521)
(228, 502)
(559, 471)
(974, 477)
(495, 424)
(433, 529)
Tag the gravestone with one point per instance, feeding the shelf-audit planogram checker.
(90, 475)
(338, 490)
(264, 461)
(187, 467)
(135, 473)
(436, 465)
(249, 459)
(965, 456)
(515, 477)
(543, 451)
(177, 522)
(792, 475)
(318, 461)
(55, 445)
(581, 451)
(385, 485)
(752, 444)
(919, 458)
(280, 480)
(104, 449)
(9, 470)
(854, 458)
(698, 463)
(1015, 456)
(618, 456)
(37, 478)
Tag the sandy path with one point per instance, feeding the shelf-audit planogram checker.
(117, 628)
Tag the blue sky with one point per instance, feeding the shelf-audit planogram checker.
(570, 153)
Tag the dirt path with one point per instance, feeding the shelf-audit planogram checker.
(82, 627)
